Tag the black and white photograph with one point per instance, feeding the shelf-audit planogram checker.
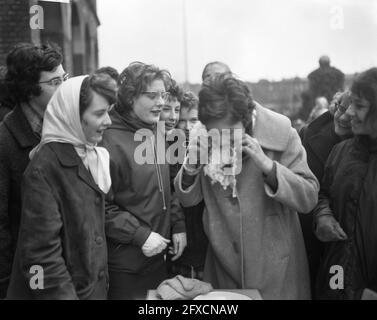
(190, 150)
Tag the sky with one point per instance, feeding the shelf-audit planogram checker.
(258, 39)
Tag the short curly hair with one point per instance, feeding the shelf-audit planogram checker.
(175, 91)
(224, 96)
(134, 79)
(25, 62)
(190, 101)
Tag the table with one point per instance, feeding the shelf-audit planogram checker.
(252, 293)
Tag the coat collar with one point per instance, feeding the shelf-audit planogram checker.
(322, 136)
(271, 129)
(68, 157)
(20, 128)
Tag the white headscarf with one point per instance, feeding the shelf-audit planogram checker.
(62, 124)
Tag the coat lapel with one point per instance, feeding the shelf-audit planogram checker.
(69, 158)
(19, 127)
(272, 130)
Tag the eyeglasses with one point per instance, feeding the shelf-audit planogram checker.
(156, 95)
(57, 81)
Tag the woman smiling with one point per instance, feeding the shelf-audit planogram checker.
(63, 214)
(346, 217)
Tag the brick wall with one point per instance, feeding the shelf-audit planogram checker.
(14, 25)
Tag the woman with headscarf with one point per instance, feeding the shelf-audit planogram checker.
(61, 252)
(345, 216)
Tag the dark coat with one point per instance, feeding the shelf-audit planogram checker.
(318, 139)
(16, 141)
(349, 190)
(62, 229)
(135, 205)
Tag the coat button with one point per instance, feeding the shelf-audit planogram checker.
(99, 240)
(98, 200)
(101, 274)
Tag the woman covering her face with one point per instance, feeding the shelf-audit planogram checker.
(139, 219)
(255, 240)
(346, 219)
(61, 251)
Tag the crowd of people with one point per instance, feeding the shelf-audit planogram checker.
(81, 217)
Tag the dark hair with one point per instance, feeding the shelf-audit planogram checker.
(134, 80)
(210, 64)
(175, 91)
(189, 101)
(100, 83)
(225, 96)
(365, 86)
(25, 62)
(6, 100)
(112, 72)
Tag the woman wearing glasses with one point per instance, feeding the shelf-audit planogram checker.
(61, 251)
(346, 219)
(139, 220)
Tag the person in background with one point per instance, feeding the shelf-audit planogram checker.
(139, 220)
(326, 80)
(345, 216)
(63, 195)
(170, 116)
(321, 106)
(5, 102)
(33, 75)
(191, 263)
(318, 139)
(214, 68)
(188, 115)
(63, 215)
(171, 109)
(255, 240)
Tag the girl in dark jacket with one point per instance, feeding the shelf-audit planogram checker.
(346, 215)
(61, 252)
(138, 213)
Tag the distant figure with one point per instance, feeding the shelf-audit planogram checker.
(326, 80)
(213, 68)
(321, 106)
(5, 102)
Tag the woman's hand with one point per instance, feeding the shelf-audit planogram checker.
(328, 229)
(252, 147)
(155, 244)
(197, 152)
(179, 244)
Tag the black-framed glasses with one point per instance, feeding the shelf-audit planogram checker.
(156, 95)
(57, 81)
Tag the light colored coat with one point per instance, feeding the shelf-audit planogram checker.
(255, 239)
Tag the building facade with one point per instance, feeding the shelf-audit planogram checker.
(73, 26)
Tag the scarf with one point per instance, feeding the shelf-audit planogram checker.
(62, 124)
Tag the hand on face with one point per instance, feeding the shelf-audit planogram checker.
(252, 148)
